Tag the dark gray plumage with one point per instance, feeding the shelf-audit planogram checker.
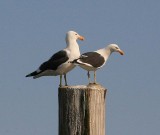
(91, 61)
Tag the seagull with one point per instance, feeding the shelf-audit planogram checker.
(92, 61)
(58, 64)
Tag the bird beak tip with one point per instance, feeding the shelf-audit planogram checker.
(81, 38)
(121, 52)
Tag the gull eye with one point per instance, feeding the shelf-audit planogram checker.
(116, 47)
(76, 34)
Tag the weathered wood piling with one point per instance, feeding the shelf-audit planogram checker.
(82, 110)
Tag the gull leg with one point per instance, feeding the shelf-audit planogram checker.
(88, 74)
(95, 77)
(60, 85)
(65, 78)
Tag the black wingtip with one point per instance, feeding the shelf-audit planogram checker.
(29, 75)
(33, 74)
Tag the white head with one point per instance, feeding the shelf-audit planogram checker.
(115, 48)
(72, 35)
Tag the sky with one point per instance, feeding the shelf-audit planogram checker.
(31, 31)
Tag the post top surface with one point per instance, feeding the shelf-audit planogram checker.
(89, 86)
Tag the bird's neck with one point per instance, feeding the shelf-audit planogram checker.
(106, 52)
(73, 46)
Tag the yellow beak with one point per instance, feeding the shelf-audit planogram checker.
(81, 38)
(121, 52)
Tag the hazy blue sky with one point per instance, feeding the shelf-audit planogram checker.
(32, 30)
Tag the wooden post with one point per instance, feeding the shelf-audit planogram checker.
(82, 110)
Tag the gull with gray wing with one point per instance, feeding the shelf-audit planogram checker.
(59, 64)
(92, 61)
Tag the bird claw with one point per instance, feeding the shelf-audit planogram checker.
(60, 85)
(92, 83)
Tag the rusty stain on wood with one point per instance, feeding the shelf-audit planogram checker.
(82, 110)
